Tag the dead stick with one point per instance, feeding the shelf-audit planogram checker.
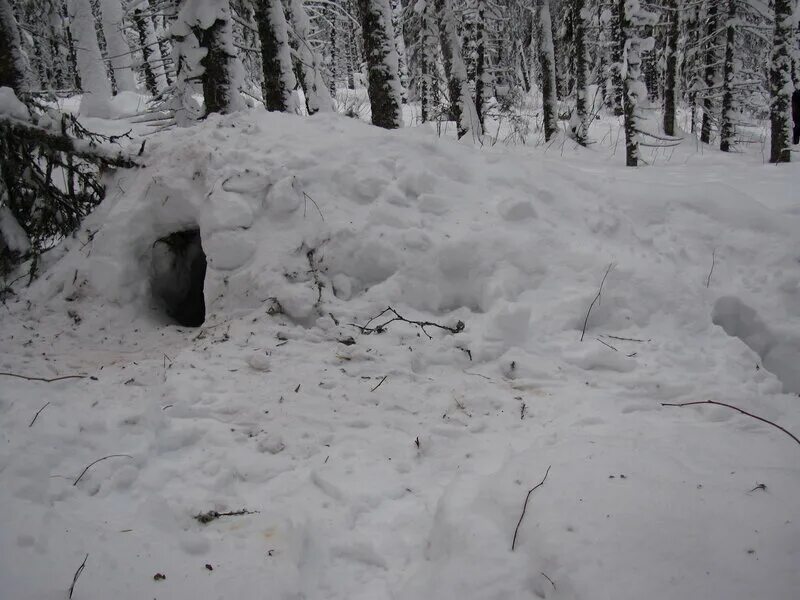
(596, 298)
(379, 383)
(46, 404)
(607, 344)
(44, 378)
(77, 574)
(713, 262)
(624, 339)
(744, 412)
(90, 465)
(525, 507)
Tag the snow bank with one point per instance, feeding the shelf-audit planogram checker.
(394, 466)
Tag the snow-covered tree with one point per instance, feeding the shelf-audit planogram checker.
(671, 51)
(276, 60)
(581, 120)
(152, 62)
(119, 54)
(203, 51)
(95, 84)
(781, 86)
(548, 70)
(710, 70)
(729, 108)
(13, 64)
(462, 108)
(384, 88)
(318, 98)
(631, 18)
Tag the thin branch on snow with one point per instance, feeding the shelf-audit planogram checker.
(525, 507)
(213, 515)
(379, 383)
(744, 412)
(713, 262)
(36, 416)
(46, 380)
(366, 329)
(596, 299)
(90, 465)
(77, 574)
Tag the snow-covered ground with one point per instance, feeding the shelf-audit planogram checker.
(396, 467)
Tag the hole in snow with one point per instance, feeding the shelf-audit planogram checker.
(177, 273)
(780, 354)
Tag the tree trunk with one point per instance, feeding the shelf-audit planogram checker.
(780, 78)
(480, 61)
(632, 84)
(119, 54)
(12, 59)
(547, 64)
(279, 80)
(671, 75)
(95, 85)
(152, 59)
(317, 95)
(617, 50)
(710, 73)
(385, 93)
(729, 112)
(581, 125)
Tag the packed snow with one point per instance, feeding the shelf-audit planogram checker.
(393, 462)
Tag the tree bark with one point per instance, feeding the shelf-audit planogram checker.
(728, 128)
(781, 86)
(710, 73)
(671, 75)
(547, 64)
(385, 95)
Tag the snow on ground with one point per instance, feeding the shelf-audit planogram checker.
(396, 467)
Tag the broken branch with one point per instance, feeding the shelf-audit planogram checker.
(744, 412)
(36, 416)
(46, 380)
(77, 574)
(525, 507)
(90, 465)
(366, 329)
(596, 299)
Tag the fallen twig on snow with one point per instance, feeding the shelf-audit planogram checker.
(379, 383)
(213, 515)
(713, 262)
(77, 574)
(744, 412)
(596, 298)
(607, 344)
(45, 379)
(90, 465)
(366, 329)
(36, 416)
(624, 339)
(525, 507)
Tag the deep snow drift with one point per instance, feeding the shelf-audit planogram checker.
(391, 465)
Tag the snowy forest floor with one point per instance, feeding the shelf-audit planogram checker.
(393, 465)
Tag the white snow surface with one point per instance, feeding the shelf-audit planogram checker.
(396, 467)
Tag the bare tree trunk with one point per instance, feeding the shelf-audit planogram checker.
(547, 64)
(671, 79)
(581, 101)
